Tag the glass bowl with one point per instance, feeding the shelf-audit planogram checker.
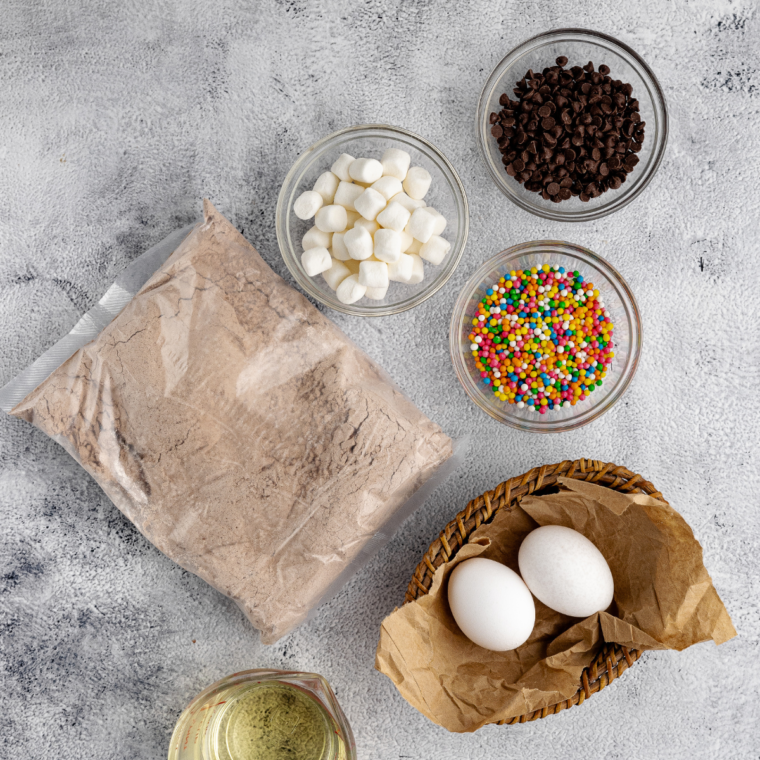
(446, 194)
(580, 46)
(619, 303)
(222, 722)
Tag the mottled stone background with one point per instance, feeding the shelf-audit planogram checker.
(116, 118)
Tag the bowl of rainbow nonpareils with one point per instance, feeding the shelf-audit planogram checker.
(545, 336)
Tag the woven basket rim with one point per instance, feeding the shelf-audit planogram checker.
(613, 660)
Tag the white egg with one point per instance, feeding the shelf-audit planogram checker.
(491, 604)
(565, 571)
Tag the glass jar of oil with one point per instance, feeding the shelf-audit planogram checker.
(264, 715)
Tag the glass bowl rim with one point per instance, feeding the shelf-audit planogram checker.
(459, 313)
(615, 204)
(463, 222)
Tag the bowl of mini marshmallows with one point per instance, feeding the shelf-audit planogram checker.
(546, 336)
(372, 220)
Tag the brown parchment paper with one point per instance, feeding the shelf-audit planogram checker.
(664, 599)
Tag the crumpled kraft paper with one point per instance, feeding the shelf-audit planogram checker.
(664, 599)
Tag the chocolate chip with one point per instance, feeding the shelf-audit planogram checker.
(573, 132)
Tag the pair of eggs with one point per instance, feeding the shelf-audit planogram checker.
(493, 605)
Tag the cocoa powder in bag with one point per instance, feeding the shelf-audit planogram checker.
(238, 428)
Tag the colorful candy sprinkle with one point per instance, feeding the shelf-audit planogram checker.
(541, 338)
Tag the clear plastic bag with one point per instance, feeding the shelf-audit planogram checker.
(236, 426)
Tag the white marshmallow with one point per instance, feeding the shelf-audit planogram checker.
(315, 238)
(316, 260)
(394, 216)
(373, 274)
(406, 240)
(353, 266)
(417, 182)
(387, 187)
(415, 247)
(408, 203)
(387, 245)
(359, 243)
(401, 270)
(351, 218)
(421, 225)
(367, 170)
(396, 163)
(331, 218)
(369, 204)
(307, 204)
(418, 270)
(376, 294)
(326, 185)
(346, 194)
(336, 274)
(340, 167)
(339, 250)
(440, 220)
(350, 290)
(371, 227)
(435, 250)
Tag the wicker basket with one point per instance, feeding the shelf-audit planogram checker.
(613, 660)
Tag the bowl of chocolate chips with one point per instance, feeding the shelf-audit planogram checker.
(572, 125)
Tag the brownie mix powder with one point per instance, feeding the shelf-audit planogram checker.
(238, 428)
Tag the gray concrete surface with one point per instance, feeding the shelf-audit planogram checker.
(116, 118)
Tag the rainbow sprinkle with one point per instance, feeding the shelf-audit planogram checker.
(541, 338)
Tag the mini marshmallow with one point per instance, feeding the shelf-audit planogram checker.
(336, 274)
(417, 182)
(340, 167)
(315, 238)
(388, 187)
(371, 227)
(388, 245)
(435, 250)
(367, 170)
(421, 225)
(350, 290)
(339, 250)
(396, 163)
(369, 204)
(376, 294)
(394, 216)
(440, 220)
(316, 260)
(307, 204)
(346, 194)
(418, 270)
(405, 240)
(373, 274)
(415, 247)
(326, 185)
(351, 218)
(359, 243)
(331, 218)
(401, 270)
(408, 203)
